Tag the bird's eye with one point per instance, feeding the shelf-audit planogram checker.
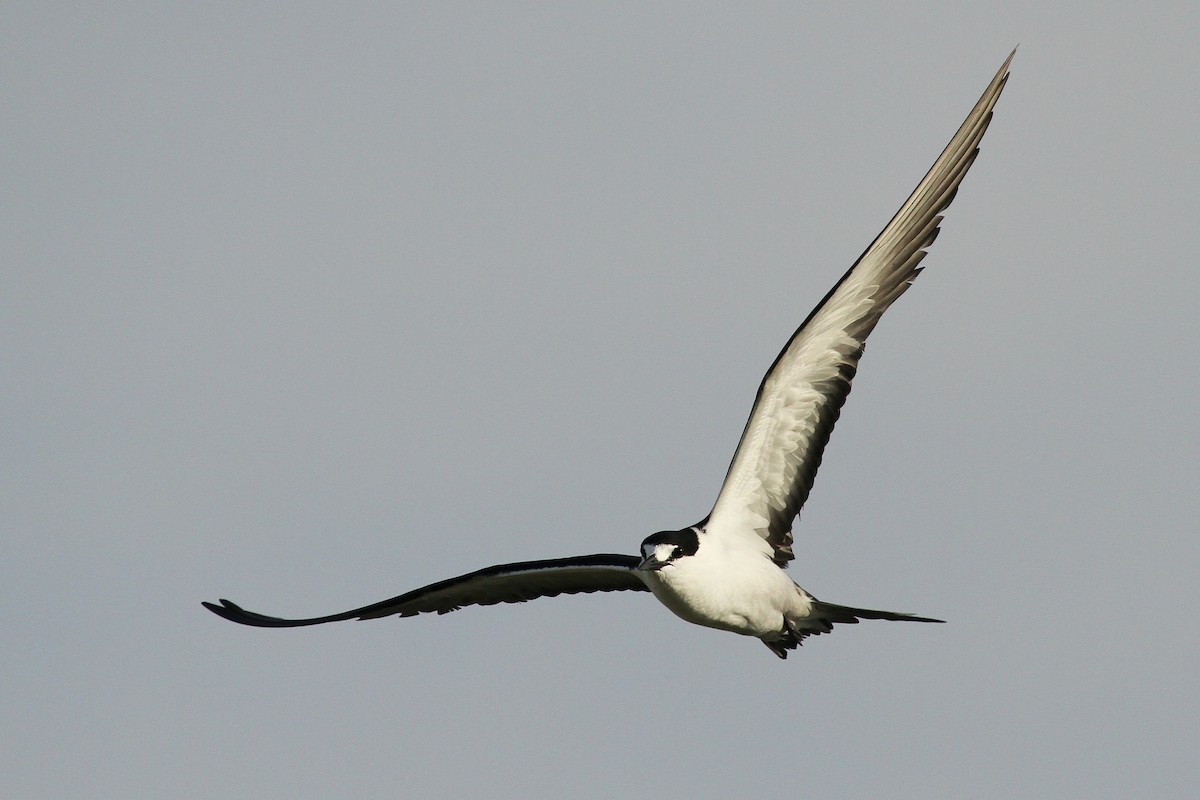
(677, 553)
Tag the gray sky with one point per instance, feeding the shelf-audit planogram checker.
(306, 307)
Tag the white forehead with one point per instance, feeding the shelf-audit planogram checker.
(661, 551)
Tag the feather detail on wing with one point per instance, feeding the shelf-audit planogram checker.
(504, 583)
(801, 396)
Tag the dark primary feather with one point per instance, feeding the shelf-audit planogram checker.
(801, 396)
(503, 583)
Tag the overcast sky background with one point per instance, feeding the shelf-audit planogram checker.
(307, 306)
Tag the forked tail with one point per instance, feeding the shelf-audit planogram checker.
(848, 615)
(822, 619)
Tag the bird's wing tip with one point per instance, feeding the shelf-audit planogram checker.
(234, 613)
(222, 607)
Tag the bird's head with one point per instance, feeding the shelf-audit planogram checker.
(666, 547)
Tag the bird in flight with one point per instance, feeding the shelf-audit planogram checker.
(727, 571)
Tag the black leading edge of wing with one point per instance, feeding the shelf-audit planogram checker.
(503, 583)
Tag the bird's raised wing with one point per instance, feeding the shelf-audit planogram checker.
(503, 583)
(800, 397)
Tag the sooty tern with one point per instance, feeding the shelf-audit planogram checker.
(726, 571)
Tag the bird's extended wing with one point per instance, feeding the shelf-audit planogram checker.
(503, 583)
(800, 397)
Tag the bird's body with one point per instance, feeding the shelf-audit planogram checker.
(708, 580)
(729, 588)
(727, 571)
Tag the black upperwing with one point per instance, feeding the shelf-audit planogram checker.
(503, 583)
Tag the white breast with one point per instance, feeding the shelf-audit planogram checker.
(734, 589)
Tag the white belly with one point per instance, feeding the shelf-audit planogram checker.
(740, 591)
